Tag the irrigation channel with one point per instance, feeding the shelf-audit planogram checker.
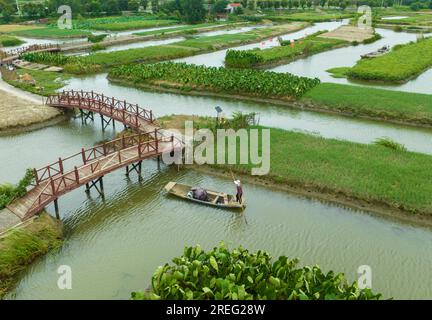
(114, 244)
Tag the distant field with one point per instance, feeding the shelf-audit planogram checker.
(9, 28)
(162, 52)
(123, 23)
(184, 28)
(310, 16)
(51, 32)
(418, 18)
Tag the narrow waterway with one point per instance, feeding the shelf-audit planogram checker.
(217, 58)
(325, 125)
(114, 245)
(318, 64)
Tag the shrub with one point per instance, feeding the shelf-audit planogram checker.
(389, 143)
(242, 58)
(222, 274)
(96, 38)
(9, 192)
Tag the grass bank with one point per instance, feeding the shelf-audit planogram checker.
(9, 41)
(98, 61)
(283, 54)
(45, 83)
(20, 247)
(372, 177)
(402, 63)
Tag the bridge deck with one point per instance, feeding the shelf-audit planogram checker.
(71, 172)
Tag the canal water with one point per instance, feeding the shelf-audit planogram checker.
(325, 125)
(114, 244)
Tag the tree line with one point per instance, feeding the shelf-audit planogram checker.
(189, 10)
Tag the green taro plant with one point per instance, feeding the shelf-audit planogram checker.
(251, 82)
(222, 274)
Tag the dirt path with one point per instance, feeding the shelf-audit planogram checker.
(21, 109)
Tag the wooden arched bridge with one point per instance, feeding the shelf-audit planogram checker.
(88, 166)
(9, 56)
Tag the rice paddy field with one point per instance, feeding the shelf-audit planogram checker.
(401, 64)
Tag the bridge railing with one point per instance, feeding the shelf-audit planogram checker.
(33, 47)
(110, 106)
(94, 162)
(146, 141)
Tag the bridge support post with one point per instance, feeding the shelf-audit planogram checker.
(158, 161)
(105, 123)
(56, 208)
(135, 167)
(93, 184)
(86, 115)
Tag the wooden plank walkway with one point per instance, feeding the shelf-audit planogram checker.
(88, 165)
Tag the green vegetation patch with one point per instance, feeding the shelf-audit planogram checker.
(9, 192)
(380, 174)
(185, 29)
(401, 64)
(96, 62)
(302, 48)
(414, 108)
(312, 16)
(46, 83)
(242, 81)
(221, 274)
(20, 247)
(52, 32)
(9, 41)
(120, 23)
(339, 72)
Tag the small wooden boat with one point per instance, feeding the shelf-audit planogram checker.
(377, 53)
(217, 199)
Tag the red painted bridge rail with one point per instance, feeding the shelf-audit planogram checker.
(129, 114)
(15, 53)
(88, 165)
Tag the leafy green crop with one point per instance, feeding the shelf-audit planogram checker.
(240, 275)
(253, 82)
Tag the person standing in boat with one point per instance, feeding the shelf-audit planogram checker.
(239, 193)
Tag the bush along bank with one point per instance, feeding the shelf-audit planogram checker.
(285, 53)
(21, 246)
(230, 81)
(97, 62)
(222, 274)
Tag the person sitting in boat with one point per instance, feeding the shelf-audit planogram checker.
(200, 194)
(239, 193)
